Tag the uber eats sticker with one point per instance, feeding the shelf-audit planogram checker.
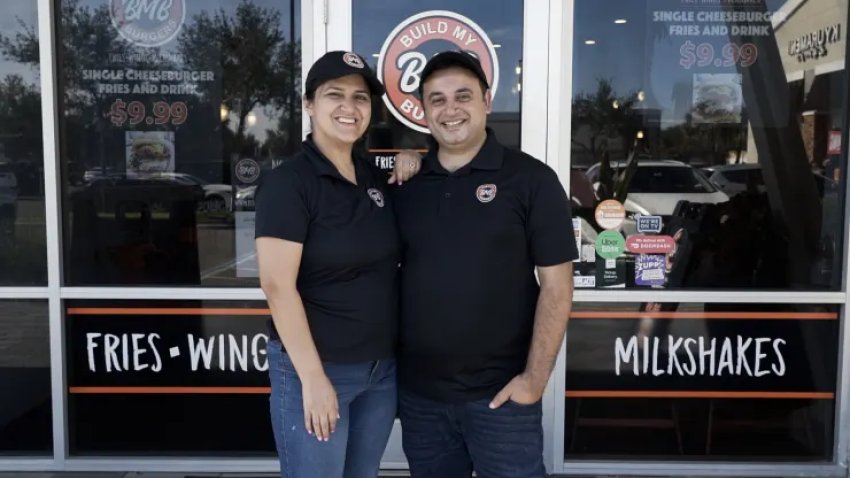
(610, 244)
(409, 46)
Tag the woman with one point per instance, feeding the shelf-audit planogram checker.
(328, 255)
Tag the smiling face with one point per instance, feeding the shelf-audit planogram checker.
(456, 109)
(340, 110)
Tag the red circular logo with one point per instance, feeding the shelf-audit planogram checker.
(412, 42)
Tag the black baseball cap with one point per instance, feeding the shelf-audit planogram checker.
(450, 59)
(336, 64)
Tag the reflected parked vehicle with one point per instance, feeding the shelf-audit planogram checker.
(734, 179)
(217, 197)
(245, 197)
(658, 185)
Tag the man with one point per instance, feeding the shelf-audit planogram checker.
(479, 336)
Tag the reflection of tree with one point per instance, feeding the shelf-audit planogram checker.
(20, 114)
(88, 40)
(20, 119)
(704, 140)
(605, 117)
(288, 133)
(253, 57)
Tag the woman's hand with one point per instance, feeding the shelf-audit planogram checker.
(407, 163)
(321, 409)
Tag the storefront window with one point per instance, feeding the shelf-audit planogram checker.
(170, 111)
(23, 254)
(398, 37)
(699, 382)
(180, 377)
(709, 143)
(25, 413)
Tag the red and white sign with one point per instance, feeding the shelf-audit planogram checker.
(407, 49)
(641, 244)
(834, 146)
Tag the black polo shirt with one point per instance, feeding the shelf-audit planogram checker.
(470, 243)
(348, 278)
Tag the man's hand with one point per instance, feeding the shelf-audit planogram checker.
(521, 390)
(407, 164)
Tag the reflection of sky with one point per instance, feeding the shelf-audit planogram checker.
(15, 13)
(638, 55)
(500, 19)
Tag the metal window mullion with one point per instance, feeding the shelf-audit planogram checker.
(534, 80)
(18, 293)
(50, 133)
(765, 469)
(560, 84)
(161, 293)
(842, 404)
(338, 30)
(708, 296)
(534, 123)
(312, 38)
(27, 464)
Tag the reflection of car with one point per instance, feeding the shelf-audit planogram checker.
(658, 185)
(217, 197)
(737, 178)
(245, 197)
(734, 179)
(8, 198)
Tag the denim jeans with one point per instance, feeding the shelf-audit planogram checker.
(366, 393)
(444, 440)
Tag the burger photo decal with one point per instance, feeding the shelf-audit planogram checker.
(409, 46)
(150, 153)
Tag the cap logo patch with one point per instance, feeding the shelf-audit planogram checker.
(486, 192)
(351, 59)
(376, 196)
(409, 46)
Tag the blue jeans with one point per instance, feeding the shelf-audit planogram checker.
(366, 393)
(444, 440)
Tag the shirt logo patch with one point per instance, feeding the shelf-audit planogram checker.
(351, 59)
(486, 192)
(376, 196)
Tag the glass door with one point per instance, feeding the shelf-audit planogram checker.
(510, 38)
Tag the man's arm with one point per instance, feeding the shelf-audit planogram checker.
(550, 321)
(554, 305)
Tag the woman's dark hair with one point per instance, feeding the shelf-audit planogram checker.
(310, 94)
